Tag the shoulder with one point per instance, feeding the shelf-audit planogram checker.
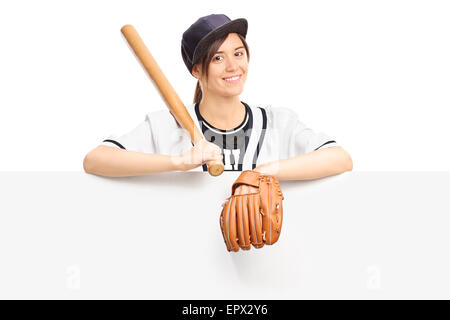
(277, 117)
(158, 115)
(281, 112)
(163, 117)
(274, 111)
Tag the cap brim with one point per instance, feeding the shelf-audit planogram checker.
(236, 26)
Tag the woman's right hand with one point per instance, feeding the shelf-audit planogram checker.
(198, 155)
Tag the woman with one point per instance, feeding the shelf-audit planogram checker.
(269, 140)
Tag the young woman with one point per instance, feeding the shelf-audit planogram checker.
(269, 140)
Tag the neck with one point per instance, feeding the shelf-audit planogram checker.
(222, 112)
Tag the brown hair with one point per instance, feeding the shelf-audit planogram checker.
(206, 59)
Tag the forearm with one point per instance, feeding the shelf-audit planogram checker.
(314, 165)
(114, 162)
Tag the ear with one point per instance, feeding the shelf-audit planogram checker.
(196, 71)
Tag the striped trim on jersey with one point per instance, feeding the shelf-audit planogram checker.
(331, 141)
(115, 142)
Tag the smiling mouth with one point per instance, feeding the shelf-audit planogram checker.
(233, 79)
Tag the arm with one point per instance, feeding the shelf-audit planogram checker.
(313, 165)
(115, 162)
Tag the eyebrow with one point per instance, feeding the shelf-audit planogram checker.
(234, 49)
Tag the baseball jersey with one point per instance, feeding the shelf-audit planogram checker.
(266, 134)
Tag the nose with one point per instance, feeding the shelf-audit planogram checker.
(231, 65)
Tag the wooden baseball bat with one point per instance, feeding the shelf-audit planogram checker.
(170, 97)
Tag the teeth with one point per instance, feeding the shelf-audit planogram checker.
(232, 79)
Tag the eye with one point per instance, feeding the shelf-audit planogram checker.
(220, 58)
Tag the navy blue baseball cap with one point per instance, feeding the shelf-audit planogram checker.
(200, 35)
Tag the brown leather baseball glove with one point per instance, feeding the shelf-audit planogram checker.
(252, 218)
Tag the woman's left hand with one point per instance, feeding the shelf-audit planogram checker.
(264, 169)
(244, 189)
(269, 168)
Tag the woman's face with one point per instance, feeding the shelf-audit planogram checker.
(227, 69)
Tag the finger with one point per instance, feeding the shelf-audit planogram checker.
(254, 222)
(212, 155)
(224, 203)
(218, 150)
(232, 236)
(239, 228)
(224, 223)
(258, 222)
(251, 218)
(212, 148)
(266, 225)
(244, 237)
(249, 189)
(215, 156)
(267, 207)
(278, 221)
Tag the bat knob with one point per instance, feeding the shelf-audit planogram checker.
(215, 168)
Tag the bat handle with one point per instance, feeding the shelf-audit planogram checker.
(215, 168)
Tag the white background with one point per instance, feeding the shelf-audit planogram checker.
(372, 74)
(358, 235)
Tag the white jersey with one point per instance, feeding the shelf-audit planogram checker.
(266, 134)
